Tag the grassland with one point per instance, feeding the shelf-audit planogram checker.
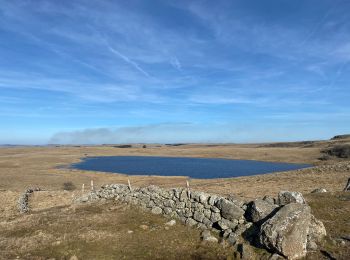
(58, 229)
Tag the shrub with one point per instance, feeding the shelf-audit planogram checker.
(69, 186)
(341, 151)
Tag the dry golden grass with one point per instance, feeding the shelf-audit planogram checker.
(56, 228)
(98, 231)
(37, 166)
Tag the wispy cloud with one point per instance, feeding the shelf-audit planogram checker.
(129, 61)
(176, 63)
(191, 60)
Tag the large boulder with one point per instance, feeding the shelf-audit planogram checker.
(259, 210)
(286, 197)
(286, 233)
(229, 210)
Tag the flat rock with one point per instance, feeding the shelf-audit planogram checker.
(286, 197)
(259, 209)
(319, 190)
(226, 224)
(171, 223)
(191, 222)
(206, 236)
(229, 210)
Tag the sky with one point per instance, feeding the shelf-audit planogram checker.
(161, 71)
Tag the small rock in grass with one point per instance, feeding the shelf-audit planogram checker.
(232, 239)
(171, 223)
(319, 190)
(130, 231)
(144, 227)
(206, 236)
(156, 210)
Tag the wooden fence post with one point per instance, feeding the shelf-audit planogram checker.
(347, 187)
(188, 189)
(129, 184)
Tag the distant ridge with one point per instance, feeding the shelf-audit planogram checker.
(337, 137)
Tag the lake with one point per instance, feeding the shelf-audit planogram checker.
(203, 168)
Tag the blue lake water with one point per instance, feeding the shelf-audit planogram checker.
(203, 168)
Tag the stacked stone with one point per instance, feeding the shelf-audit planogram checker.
(193, 208)
(283, 225)
(23, 202)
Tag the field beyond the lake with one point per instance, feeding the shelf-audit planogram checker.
(57, 228)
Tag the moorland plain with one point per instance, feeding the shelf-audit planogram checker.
(57, 228)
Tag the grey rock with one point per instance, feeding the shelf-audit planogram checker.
(180, 205)
(276, 257)
(226, 233)
(229, 210)
(311, 246)
(191, 222)
(195, 195)
(198, 216)
(183, 195)
(239, 202)
(169, 203)
(259, 209)
(167, 210)
(208, 237)
(171, 223)
(269, 199)
(212, 200)
(317, 231)
(319, 190)
(215, 217)
(207, 222)
(240, 229)
(207, 213)
(214, 209)
(286, 232)
(232, 239)
(156, 210)
(201, 226)
(286, 197)
(226, 224)
(187, 212)
(203, 198)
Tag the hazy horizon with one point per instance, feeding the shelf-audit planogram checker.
(100, 72)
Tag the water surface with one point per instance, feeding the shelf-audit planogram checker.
(204, 168)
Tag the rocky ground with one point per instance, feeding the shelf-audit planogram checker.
(57, 228)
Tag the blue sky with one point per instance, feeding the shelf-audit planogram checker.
(173, 71)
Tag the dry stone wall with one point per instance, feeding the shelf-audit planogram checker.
(23, 201)
(283, 225)
(194, 208)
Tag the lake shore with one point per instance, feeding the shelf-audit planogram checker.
(21, 167)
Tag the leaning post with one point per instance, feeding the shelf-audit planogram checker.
(129, 184)
(347, 187)
(188, 189)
